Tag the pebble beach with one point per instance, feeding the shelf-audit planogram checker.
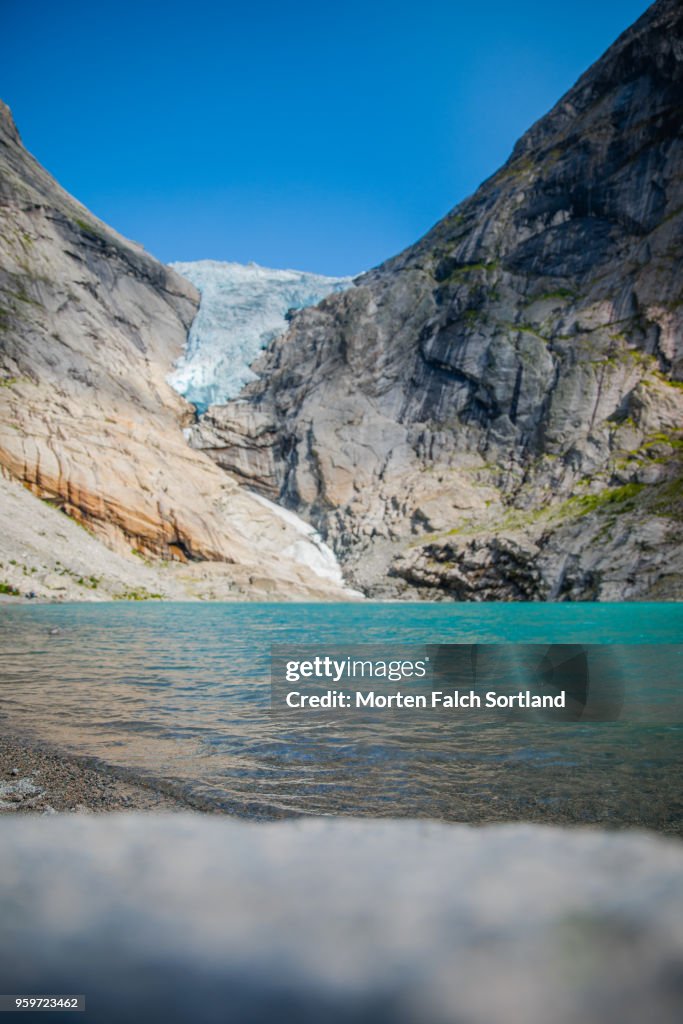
(38, 780)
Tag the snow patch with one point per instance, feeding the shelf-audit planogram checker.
(311, 550)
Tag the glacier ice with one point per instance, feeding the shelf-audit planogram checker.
(242, 308)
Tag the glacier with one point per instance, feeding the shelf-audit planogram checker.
(242, 308)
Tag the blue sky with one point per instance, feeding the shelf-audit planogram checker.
(299, 134)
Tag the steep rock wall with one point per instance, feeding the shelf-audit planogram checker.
(90, 326)
(514, 378)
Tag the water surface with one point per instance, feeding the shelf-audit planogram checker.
(180, 693)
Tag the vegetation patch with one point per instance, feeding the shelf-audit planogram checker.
(613, 500)
(522, 165)
(670, 500)
(673, 440)
(138, 595)
(463, 270)
(7, 588)
(561, 294)
(90, 229)
(522, 328)
(609, 498)
(91, 582)
(678, 384)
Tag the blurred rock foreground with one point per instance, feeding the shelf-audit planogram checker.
(185, 918)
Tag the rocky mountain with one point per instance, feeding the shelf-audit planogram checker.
(90, 329)
(496, 412)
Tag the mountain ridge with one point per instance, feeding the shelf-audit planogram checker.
(495, 412)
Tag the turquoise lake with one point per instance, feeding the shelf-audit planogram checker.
(180, 693)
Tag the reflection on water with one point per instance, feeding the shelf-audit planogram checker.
(181, 693)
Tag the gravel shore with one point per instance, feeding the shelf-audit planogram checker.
(37, 780)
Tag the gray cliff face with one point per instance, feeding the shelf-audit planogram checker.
(496, 412)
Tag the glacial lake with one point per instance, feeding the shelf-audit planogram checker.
(180, 694)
